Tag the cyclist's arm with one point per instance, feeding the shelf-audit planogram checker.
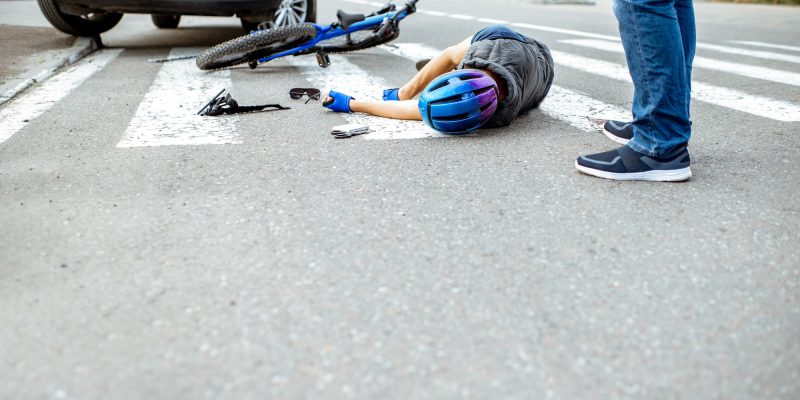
(443, 63)
(407, 109)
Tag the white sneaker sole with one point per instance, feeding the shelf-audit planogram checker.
(615, 138)
(675, 175)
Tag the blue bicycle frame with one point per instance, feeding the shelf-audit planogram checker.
(335, 30)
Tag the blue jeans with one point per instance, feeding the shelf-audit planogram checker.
(659, 41)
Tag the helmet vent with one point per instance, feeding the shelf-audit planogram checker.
(451, 99)
(483, 90)
(458, 117)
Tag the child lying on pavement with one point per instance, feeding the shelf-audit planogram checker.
(498, 74)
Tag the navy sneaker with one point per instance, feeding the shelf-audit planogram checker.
(625, 164)
(618, 131)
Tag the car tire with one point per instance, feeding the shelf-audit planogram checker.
(166, 21)
(85, 25)
(310, 16)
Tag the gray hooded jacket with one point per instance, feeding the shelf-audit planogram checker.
(527, 68)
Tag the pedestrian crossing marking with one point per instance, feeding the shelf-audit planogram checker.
(724, 97)
(433, 13)
(461, 16)
(767, 45)
(750, 53)
(750, 71)
(18, 112)
(167, 114)
(492, 21)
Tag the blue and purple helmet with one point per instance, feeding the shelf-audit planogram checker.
(459, 101)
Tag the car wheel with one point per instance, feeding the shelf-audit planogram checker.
(289, 12)
(91, 24)
(166, 21)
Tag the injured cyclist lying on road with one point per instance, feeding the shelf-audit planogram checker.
(498, 75)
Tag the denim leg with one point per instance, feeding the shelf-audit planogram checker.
(654, 49)
(685, 11)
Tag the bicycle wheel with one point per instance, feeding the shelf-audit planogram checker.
(254, 46)
(358, 40)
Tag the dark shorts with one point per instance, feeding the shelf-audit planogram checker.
(496, 32)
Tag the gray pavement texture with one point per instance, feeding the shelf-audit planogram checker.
(40, 43)
(298, 266)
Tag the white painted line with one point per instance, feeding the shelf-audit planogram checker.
(750, 71)
(344, 76)
(493, 21)
(720, 96)
(371, 3)
(433, 13)
(17, 113)
(767, 45)
(461, 16)
(750, 53)
(596, 67)
(577, 110)
(565, 31)
(411, 51)
(167, 115)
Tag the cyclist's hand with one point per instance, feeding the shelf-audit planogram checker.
(338, 102)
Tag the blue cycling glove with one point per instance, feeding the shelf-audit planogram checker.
(391, 94)
(340, 102)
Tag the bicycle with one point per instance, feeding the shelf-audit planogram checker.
(351, 32)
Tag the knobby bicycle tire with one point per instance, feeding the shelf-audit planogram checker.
(331, 45)
(257, 44)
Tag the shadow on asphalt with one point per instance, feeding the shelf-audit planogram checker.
(196, 36)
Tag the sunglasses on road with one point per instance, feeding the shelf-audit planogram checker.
(298, 93)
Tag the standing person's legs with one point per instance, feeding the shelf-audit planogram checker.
(658, 37)
(654, 48)
(685, 12)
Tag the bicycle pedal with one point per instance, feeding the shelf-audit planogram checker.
(323, 59)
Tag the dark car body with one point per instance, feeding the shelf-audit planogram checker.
(241, 8)
(92, 17)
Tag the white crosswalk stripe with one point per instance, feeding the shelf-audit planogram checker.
(750, 53)
(17, 113)
(720, 96)
(461, 16)
(750, 71)
(767, 45)
(576, 109)
(562, 30)
(164, 117)
(493, 21)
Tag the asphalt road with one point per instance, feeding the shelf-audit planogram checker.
(282, 263)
